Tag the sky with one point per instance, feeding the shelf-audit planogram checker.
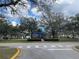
(31, 10)
(68, 7)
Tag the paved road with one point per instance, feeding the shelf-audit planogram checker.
(48, 54)
(46, 50)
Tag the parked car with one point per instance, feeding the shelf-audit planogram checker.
(28, 36)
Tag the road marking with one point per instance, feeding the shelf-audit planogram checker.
(20, 47)
(28, 46)
(59, 49)
(59, 45)
(16, 54)
(45, 46)
(68, 46)
(36, 46)
(53, 46)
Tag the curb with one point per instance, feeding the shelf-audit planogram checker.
(16, 54)
(74, 48)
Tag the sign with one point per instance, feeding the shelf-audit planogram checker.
(37, 34)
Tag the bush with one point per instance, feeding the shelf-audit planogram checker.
(51, 39)
(34, 40)
(5, 37)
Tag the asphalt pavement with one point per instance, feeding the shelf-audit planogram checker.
(48, 54)
(46, 50)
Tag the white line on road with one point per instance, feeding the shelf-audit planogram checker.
(45, 46)
(53, 46)
(68, 45)
(20, 46)
(28, 46)
(59, 49)
(60, 46)
(36, 46)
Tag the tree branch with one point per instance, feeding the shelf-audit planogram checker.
(11, 3)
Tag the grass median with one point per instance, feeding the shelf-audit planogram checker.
(13, 41)
(6, 52)
(77, 47)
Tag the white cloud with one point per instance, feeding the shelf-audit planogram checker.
(65, 1)
(14, 23)
(68, 7)
(35, 11)
(59, 1)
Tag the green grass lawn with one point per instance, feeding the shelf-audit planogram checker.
(77, 47)
(25, 41)
(13, 41)
(6, 52)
